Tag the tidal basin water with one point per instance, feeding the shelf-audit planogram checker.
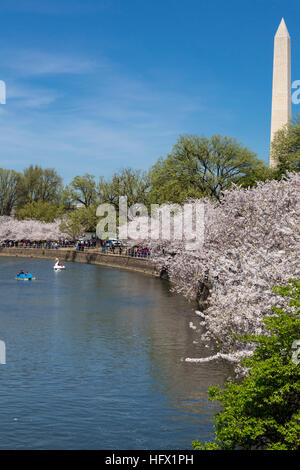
(95, 360)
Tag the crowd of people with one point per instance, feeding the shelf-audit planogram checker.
(37, 244)
(139, 252)
(106, 246)
(80, 245)
(120, 249)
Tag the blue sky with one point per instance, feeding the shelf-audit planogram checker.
(94, 86)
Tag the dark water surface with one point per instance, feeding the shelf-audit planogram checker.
(94, 361)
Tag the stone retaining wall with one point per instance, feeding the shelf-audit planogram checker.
(88, 257)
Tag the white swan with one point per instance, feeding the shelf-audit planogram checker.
(58, 266)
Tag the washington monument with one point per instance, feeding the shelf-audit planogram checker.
(281, 94)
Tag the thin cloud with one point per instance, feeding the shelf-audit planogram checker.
(30, 97)
(105, 121)
(35, 63)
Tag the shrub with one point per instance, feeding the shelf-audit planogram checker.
(262, 410)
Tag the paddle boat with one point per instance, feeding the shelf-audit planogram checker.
(22, 276)
(58, 266)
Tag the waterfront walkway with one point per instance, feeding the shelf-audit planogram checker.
(88, 256)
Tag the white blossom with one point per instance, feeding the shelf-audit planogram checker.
(252, 241)
(34, 230)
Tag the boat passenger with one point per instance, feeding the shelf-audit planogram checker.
(21, 274)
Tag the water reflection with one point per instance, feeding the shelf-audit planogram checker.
(95, 361)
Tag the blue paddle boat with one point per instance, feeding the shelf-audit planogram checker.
(22, 276)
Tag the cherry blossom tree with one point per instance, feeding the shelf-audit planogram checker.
(251, 243)
(34, 230)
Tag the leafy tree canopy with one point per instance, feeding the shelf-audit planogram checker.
(201, 166)
(83, 189)
(263, 410)
(9, 186)
(38, 184)
(40, 210)
(76, 222)
(285, 148)
(131, 183)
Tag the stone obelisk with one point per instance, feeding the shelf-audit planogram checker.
(281, 94)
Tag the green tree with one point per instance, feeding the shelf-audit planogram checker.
(79, 221)
(83, 189)
(263, 410)
(131, 183)
(72, 225)
(9, 186)
(66, 198)
(38, 184)
(40, 210)
(285, 148)
(201, 166)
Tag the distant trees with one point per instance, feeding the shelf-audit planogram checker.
(196, 167)
(9, 188)
(285, 148)
(83, 190)
(201, 166)
(75, 223)
(38, 184)
(134, 184)
(88, 192)
(40, 210)
(37, 193)
(13, 229)
(72, 224)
